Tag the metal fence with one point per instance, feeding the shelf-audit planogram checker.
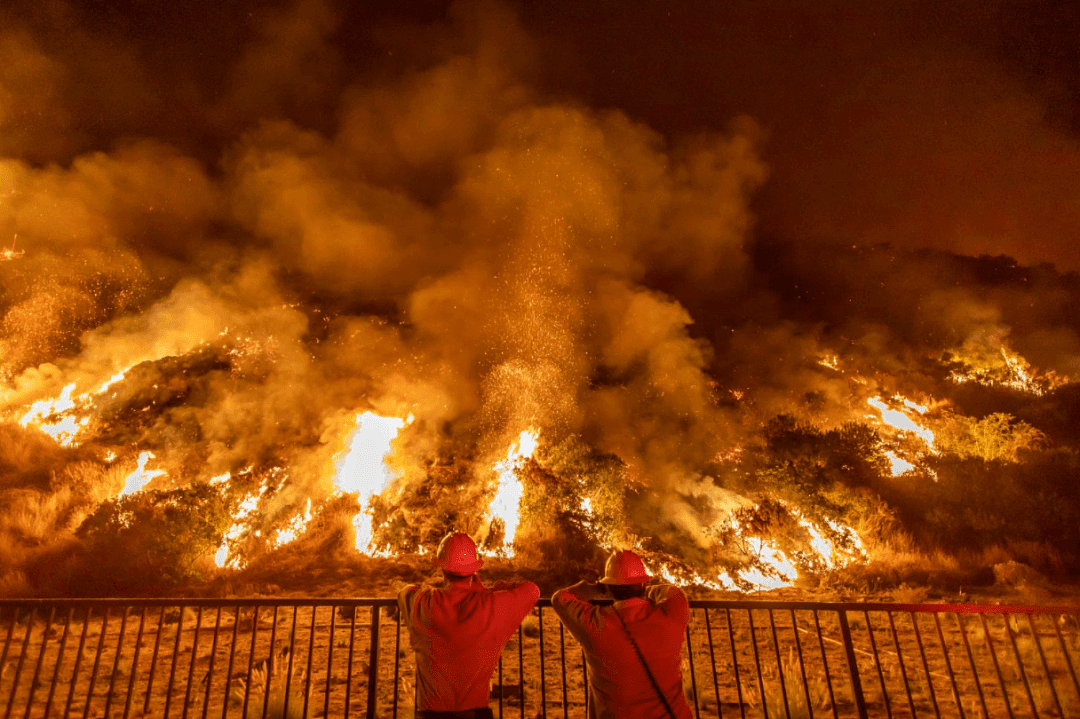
(295, 658)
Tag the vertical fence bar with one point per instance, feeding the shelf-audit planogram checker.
(500, 687)
(191, 665)
(1068, 659)
(19, 665)
(562, 653)
(271, 664)
(153, 660)
(397, 662)
(948, 667)
(757, 663)
(78, 662)
(289, 668)
(997, 668)
(779, 664)
(925, 665)
(712, 664)
(877, 664)
(37, 664)
(825, 664)
(735, 663)
(59, 661)
(373, 662)
(1019, 664)
(693, 677)
(134, 664)
(543, 681)
(971, 662)
(853, 664)
(348, 682)
(7, 645)
(97, 661)
(251, 660)
(210, 668)
(802, 664)
(172, 668)
(116, 662)
(900, 660)
(10, 633)
(229, 668)
(311, 663)
(330, 660)
(1045, 666)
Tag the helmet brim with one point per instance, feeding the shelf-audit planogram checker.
(623, 582)
(462, 569)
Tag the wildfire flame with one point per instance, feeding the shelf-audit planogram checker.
(294, 528)
(249, 505)
(897, 464)
(898, 420)
(1017, 374)
(141, 476)
(362, 469)
(65, 425)
(506, 504)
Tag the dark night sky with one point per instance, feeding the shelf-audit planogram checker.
(945, 125)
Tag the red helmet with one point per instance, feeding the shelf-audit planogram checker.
(624, 567)
(457, 554)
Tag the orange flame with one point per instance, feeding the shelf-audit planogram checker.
(141, 476)
(362, 469)
(898, 420)
(506, 505)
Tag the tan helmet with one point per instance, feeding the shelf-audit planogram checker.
(457, 554)
(624, 567)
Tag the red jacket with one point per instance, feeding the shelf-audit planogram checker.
(458, 633)
(618, 684)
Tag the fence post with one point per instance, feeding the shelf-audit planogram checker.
(853, 665)
(373, 662)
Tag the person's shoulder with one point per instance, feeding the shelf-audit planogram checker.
(410, 591)
(520, 590)
(664, 593)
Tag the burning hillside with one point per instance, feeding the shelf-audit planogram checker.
(470, 306)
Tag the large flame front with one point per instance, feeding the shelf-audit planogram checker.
(506, 505)
(362, 469)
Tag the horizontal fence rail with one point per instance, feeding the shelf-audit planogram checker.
(299, 658)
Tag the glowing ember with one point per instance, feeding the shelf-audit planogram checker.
(506, 505)
(830, 361)
(141, 476)
(10, 253)
(362, 469)
(898, 420)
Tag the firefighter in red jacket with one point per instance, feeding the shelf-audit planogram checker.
(458, 632)
(633, 646)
